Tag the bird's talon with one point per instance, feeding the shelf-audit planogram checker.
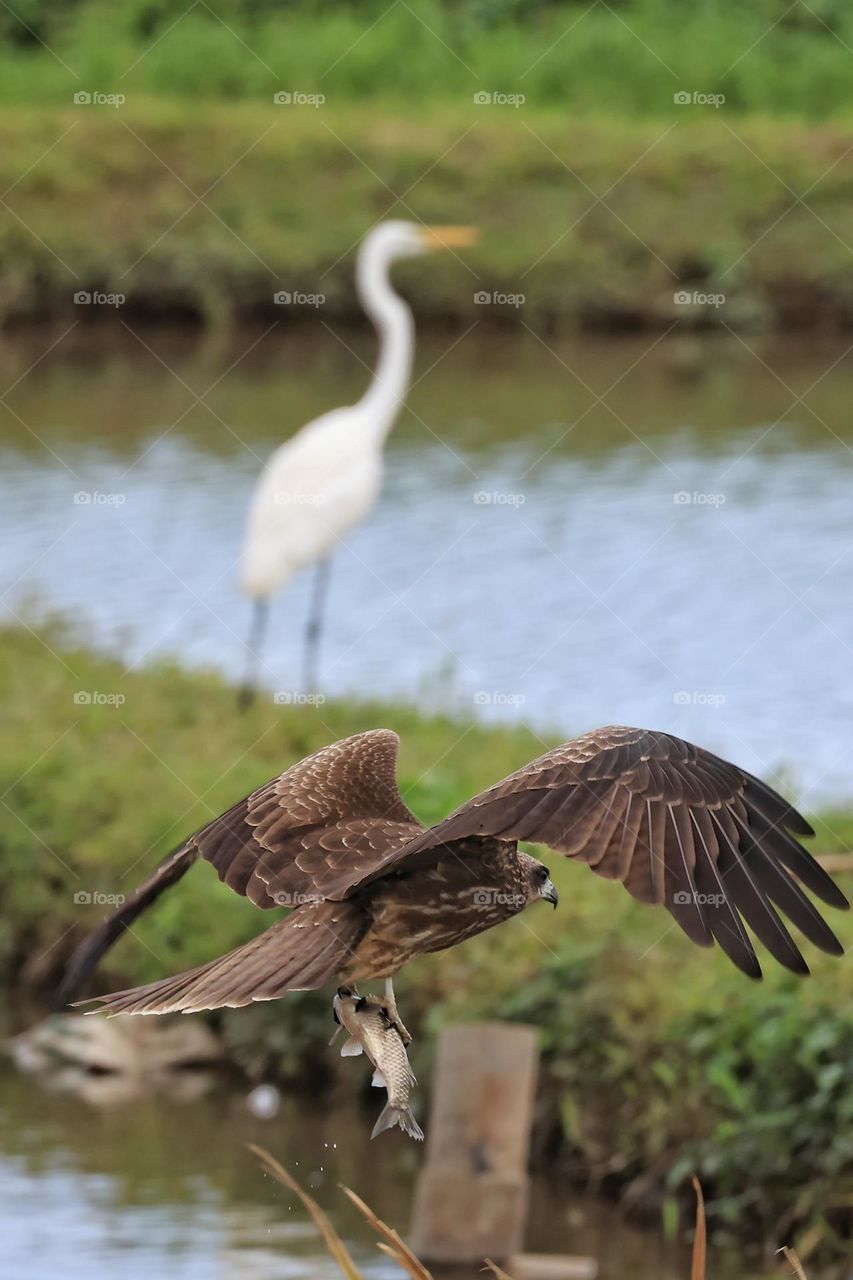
(392, 1015)
(401, 1030)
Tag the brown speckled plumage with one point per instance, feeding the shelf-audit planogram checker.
(371, 888)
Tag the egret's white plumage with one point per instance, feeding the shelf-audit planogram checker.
(314, 488)
(326, 478)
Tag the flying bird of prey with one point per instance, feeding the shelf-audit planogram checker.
(372, 889)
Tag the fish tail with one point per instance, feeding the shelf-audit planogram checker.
(401, 1116)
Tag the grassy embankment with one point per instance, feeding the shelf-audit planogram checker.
(659, 1059)
(698, 198)
(104, 210)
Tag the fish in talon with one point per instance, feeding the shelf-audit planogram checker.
(373, 1032)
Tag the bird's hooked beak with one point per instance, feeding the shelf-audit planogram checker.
(449, 237)
(549, 893)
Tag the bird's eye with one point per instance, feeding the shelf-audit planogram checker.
(544, 874)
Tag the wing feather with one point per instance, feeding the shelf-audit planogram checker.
(682, 896)
(783, 890)
(723, 919)
(608, 829)
(617, 864)
(755, 906)
(792, 854)
(324, 822)
(656, 850)
(299, 953)
(676, 824)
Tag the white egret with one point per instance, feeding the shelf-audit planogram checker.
(326, 478)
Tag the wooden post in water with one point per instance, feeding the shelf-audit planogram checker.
(471, 1199)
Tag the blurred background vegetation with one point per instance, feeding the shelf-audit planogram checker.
(790, 60)
(630, 191)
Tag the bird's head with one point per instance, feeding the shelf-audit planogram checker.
(537, 880)
(399, 239)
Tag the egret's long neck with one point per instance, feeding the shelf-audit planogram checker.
(396, 330)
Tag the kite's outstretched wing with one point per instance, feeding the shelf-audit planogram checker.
(676, 824)
(327, 821)
(299, 953)
(300, 838)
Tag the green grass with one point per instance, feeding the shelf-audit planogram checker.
(621, 58)
(659, 1059)
(104, 199)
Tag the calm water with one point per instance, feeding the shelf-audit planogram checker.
(166, 1189)
(676, 554)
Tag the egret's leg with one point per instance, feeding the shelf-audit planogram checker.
(257, 629)
(315, 624)
(393, 1014)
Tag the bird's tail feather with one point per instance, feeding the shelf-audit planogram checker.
(299, 953)
(84, 960)
(401, 1116)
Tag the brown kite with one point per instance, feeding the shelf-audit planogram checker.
(370, 888)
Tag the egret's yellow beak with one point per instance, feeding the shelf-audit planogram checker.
(449, 237)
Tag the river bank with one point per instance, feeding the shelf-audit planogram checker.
(242, 212)
(105, 770)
